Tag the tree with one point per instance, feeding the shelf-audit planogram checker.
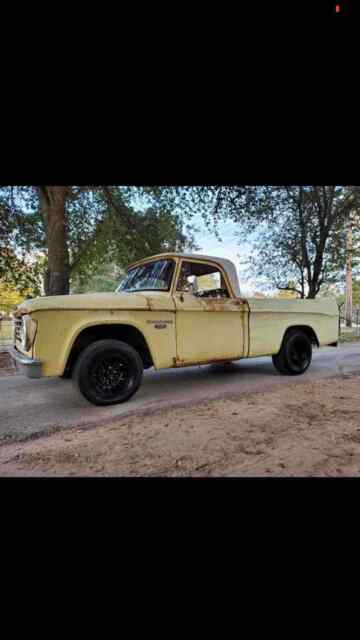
(294, 240)
(32, 219)
(70, 232)
(9, 297)
(347, 262)
(356, 294)
(352, 259)
(349, 273)
(104, 277)
(297, 232)
(114, 248)
(294, 229)
(341, 297)
(20, 274)
(53, 201)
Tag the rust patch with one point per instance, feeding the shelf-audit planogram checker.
(221, 304)
(178, 362)
(214, 304)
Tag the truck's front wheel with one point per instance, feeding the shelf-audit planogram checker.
(108, 372)
(295, 354)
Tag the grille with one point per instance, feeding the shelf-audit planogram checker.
(17, 329)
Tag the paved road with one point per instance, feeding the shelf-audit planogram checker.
(29, 407)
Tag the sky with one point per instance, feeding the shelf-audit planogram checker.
(229, 248)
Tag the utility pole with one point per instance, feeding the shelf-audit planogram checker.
(349, 257)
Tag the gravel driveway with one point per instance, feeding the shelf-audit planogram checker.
(310, 429)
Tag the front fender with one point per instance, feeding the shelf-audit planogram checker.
(58, 331)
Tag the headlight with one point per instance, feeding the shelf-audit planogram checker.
(27, 332)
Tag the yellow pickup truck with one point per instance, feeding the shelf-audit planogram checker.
(170, 310)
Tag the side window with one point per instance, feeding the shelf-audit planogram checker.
(202, 280)
(186, 279)
(210, 281)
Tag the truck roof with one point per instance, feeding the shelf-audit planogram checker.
(227, 265)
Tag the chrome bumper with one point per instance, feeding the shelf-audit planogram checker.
(31, 368)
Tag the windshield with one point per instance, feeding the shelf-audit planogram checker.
(153, 276)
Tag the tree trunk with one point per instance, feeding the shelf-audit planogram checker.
(348, 303)
(52, 205)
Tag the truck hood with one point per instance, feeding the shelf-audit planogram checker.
(140, 301)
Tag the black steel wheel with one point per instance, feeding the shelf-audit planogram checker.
(295, 355)
(108, 372)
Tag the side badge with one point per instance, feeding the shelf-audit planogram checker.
(159, 324)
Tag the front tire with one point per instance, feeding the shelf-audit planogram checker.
(108, 372)
(295, 355)
(66, 375)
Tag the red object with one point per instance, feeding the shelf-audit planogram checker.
(337, 8)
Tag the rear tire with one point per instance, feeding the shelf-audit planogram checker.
(295, 355)
(108, 372)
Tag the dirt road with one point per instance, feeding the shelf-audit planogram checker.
(310, 429)
(31, 407)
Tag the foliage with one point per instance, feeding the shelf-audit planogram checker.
(21, 274)
(295, 231)
(105, 278)
(340, 296)
(102, 226)
(20, 239)
(9, 296)
(339, 248)
(123, 235)
(298, 233)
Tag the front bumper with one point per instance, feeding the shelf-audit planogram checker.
(31, 368)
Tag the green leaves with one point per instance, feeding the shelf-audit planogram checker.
(297, 232)
(104, 226)
(122, 235)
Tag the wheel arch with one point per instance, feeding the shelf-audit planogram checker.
(307, 329)
(125, 332)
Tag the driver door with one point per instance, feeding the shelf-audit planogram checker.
(207, 328)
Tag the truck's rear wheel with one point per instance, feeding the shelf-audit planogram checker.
(108, 372)
(295, 355)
